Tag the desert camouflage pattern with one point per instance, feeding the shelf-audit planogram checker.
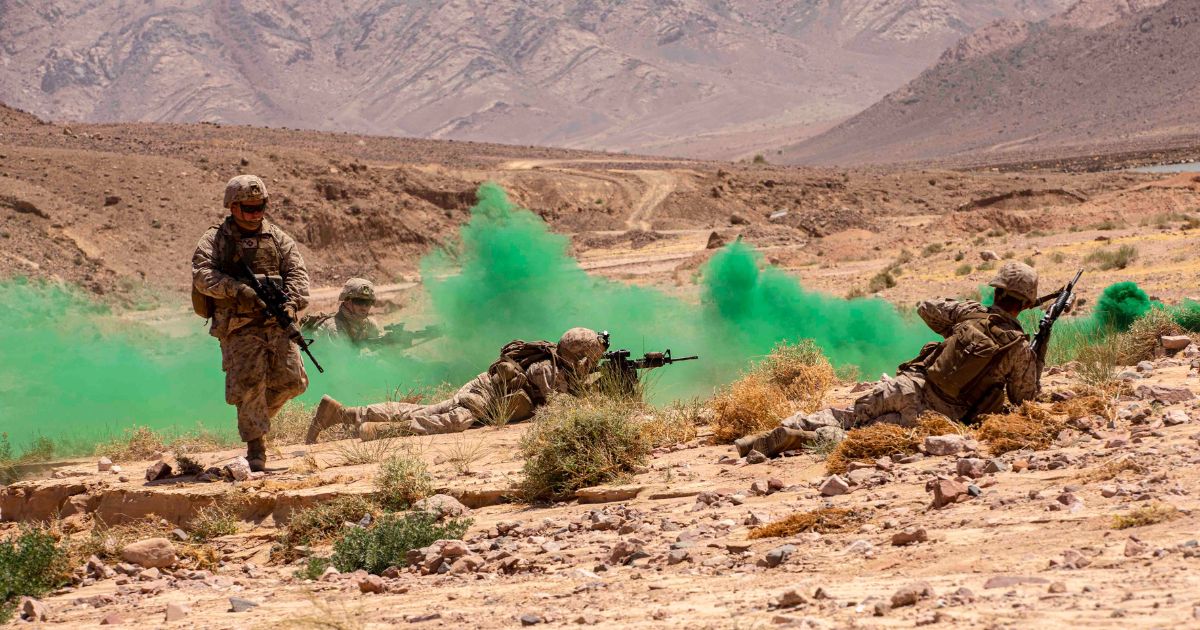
(357, 288)
(245, 189)
(1018, 279)
(269, 251)
(263, 370)
(345, 325)
(480, 399)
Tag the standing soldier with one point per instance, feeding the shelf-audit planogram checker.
(262, 365)
(985, 358)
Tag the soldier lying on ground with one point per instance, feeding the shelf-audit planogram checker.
(985, 356)
(513, 387)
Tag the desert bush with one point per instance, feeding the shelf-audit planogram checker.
(1057, 257)
(402, 480)
(1098, 360)
(673, 424)
(986, 265)
(1031, 426)
(313, 568)
(932, 248)
(1141, 340)
(960, 256)
(792, 378)
(880, 281)
(1108, 259)
(827, 520)
(575, 442)
(320, 523)
(388, 541)
(135, 443)
(220, 518)
(1146, 515)
(8, 468)
(1113, 468)
(1029, 260)
(963, 269)
(883, 440)
(1187, 315)
(32, 563)
(358, 452)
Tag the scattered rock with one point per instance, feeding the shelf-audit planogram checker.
(910, 536)
(1072, 559)
(104, 464)
(946, 492)
(996, 465)
(151, 552)
(111, 200)
(33, 610)
(1134, 547)
(715, 241)
(737, 219)
(972, 467)
(755, 457)
(112, 619)
(1057, 587)
(778, 555)
(238, 469)
(944, 444)
(988, 255)
(677, 556)
(1163, 394)
(626, 551)
(861, 476)
(237, 604)
(1176, 417)
(834, 486)
(1009, 581)
(175, 612)
(911, 594)
(530, 619)
(790, 599)
(158, 470)
(372, 584)
(443, 505)
(1173, 343)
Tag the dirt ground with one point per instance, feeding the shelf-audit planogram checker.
(1036, 548)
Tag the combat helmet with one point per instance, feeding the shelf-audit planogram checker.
(581, 344)
(245, 189)
(1018, 280)
(357, 289)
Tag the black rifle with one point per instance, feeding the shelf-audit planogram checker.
(397, 335)
(622, 370)
(273, 297)
(1062, 303)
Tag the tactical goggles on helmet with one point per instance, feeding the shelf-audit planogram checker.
(362, 301)
(253, 208)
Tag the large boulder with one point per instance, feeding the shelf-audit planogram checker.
(151, 552)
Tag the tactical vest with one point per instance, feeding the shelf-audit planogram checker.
(961, 369)
(509, 371)
(263, 252)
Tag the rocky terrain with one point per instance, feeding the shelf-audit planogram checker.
(1096, 526)
(706, 79)
(1104, 76)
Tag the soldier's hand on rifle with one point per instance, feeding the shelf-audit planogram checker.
(291, 311)
(246, 297)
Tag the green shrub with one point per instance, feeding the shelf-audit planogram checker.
(31, 563)
(215, 520)
(388, 541)
(1030, 261)
(932, 248)
(986, 265)
(1108, 259)
(959, 256)
(882, 280)
(320, 523)
(574, 443)
(313, 568)
(963, 269)
(402, 481)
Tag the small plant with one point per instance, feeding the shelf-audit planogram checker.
(882, 440)
(358, 452)
(1106, 225)
(1029, 260)
(1008, 255)
(1108, 259)
(996, 233)
(880, 281)
(31, 564)
(500, 408)
(1113, 468)
(673, 425)
(388, 541)
(1057, 258)
(1141, 341)
(1148, 515)
(8, 469)
(215, 520)
(313, 568)
(960, 256)
(574, 443)
(136, 443)
(320, 523)
(402, 481)
(963, 269)
(1028, 427)
(1098, 360)
(759, 159)
(828, 520)
(905, 257)
(932, 248)
(464, 452)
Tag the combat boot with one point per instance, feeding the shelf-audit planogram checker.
(369, 431)
(256, 455)
(774, 442)
(329, 413)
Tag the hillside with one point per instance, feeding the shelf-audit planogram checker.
(1063, 84)
(686, 77)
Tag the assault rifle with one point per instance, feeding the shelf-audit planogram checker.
(1063, 300)
(273, 297)
(620, 372)
(397, 335)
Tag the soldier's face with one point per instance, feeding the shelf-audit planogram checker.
(359, 307)
(247, 216)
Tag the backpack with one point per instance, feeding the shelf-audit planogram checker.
(508, 372)
(960, 364)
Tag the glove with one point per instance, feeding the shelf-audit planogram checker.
(290, 311)
(247, 298)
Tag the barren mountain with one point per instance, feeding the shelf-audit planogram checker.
(683, 76)
(1105, 74)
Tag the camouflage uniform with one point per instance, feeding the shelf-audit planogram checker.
(487, 395)
(263, 369)
(345, 323)
(1015, 374)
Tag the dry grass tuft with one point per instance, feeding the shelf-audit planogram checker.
(1031, 426)
(136, 443)
(1113, 468)
(319, 524)
(883, 440)
(106, 543)
(792, 378)
(402, 480)
(1148, 515)
(824, 521)
(1140, 342)
(673, 424)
